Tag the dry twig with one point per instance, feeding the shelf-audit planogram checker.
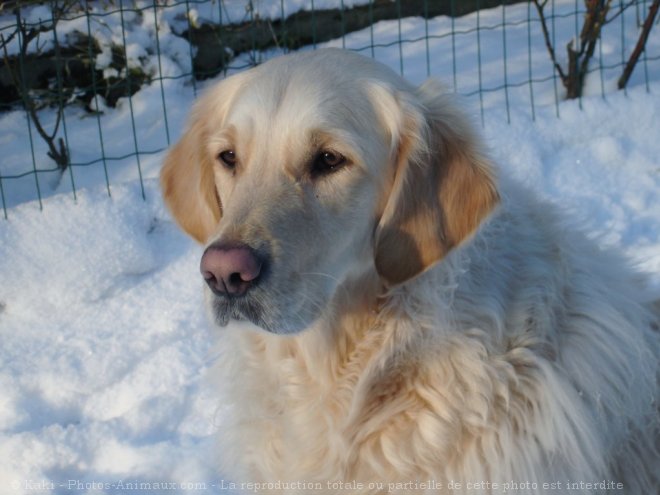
(641, 44)
(57, 150)
(578, 56)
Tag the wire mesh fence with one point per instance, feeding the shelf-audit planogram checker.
(93, 93)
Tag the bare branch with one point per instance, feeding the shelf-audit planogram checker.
(61, 155)
(621, 11)
(546, 35)
(641, 44)
(5, 41)
(272, 32)
(593, 24)
(579, 51)
(594, 19)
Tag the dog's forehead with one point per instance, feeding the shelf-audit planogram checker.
(317, 88)
(293, 104)
(295, 97)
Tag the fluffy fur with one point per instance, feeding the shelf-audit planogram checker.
(441, 327)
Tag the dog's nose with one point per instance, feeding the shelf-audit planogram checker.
(230, 270)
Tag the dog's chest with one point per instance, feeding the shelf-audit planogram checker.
(309, 417)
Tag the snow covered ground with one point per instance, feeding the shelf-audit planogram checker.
(104, 340)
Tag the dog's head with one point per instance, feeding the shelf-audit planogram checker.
(316, 167)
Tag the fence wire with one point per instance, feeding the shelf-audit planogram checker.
(108, 84)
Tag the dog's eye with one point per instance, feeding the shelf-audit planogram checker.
(327, 162)
(228, 159)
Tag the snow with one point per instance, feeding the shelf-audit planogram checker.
(104, 343)
(104, 338)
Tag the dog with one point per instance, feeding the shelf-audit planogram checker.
(394, 314)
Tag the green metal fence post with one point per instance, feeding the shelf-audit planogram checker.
(130, 99)
(2, 197)
(60, 104)
(529, 60)
(481, 93)
(554, 72)
(452, 8)
(398, 11)
(190, 48)
(160, 72)
(506, 72)
(623, 42)
(426, 38)
(371, 28)
(27, 104)
(92, 69)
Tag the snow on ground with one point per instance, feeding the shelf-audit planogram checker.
(103, 344)
(104, 339)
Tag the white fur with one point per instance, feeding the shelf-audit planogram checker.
(525, 355)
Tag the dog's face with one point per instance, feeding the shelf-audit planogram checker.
(314, 168)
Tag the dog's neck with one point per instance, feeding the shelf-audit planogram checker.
(367, 322)
(365, 332)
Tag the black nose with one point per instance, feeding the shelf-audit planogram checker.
(230, 270)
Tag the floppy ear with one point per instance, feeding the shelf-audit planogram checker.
(443, 186)
(188, 185)
(187, 177)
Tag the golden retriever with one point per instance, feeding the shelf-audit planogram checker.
(395, 316)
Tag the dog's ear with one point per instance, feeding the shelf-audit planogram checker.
(187, 178)
(443, 186)
(188, 184)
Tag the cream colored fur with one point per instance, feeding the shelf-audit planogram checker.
(442, 328)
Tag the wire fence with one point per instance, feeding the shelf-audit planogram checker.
(93, 93)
